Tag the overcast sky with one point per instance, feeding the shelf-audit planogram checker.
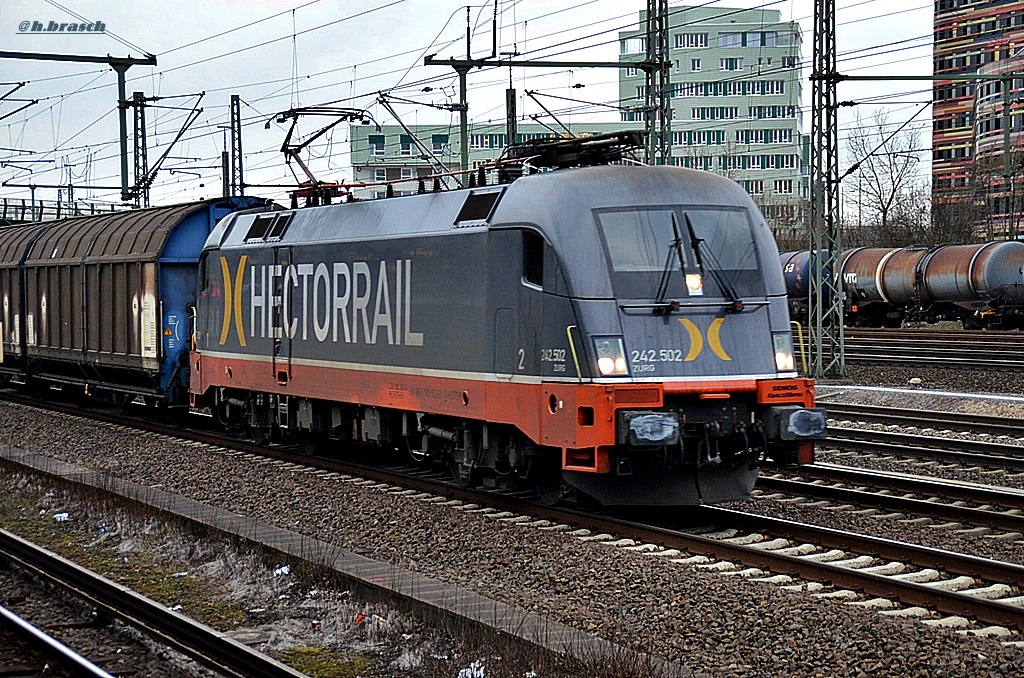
(343, 53)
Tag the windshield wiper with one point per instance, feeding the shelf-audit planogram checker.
(661, 307)
(736, 304)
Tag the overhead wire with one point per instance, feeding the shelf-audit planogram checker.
(545, 48)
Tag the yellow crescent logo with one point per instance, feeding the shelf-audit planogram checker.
(715, 341)
(233, 300)
(697, 339)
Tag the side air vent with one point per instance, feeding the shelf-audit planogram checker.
(268, 227)
(478, 207)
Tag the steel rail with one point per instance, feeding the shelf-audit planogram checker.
(208, 646)
(50, 647)
(949, 490)
(908, 445)
(955, 421)
(922, 507)
(890, 549)
(929, 348)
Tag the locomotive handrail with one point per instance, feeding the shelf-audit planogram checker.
(572, 348)
(795, 325)
(699, 304)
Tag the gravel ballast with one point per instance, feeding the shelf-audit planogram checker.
(709, 622)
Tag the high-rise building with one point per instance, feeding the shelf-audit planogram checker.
(735, 100)
(984, 37)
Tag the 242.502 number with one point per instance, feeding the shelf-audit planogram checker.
(664, 355)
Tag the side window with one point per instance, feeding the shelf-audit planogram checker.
(533, 258)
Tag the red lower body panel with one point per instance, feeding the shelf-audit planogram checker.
(577, 418)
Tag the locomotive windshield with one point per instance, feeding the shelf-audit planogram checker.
(639, 242)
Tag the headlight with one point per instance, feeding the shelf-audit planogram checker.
(783, 342)
(695, 284)
(611, 357)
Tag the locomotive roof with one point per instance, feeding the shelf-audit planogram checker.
(559, 204)
(544, 199)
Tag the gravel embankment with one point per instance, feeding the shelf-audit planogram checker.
(721, 625)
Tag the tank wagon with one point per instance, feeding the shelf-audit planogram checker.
(619, 332)
(103, 302)
(981, 285)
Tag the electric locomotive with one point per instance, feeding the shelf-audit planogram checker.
(617, 332)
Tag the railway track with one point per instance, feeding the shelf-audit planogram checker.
(877, 572)
(204, 644)
(912, 445)
(979, 424)
(26, 650)
(978, 505)
(928, 348)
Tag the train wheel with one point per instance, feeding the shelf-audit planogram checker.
(311, 442)
(259, 435)
(464, 475)
(547, 481)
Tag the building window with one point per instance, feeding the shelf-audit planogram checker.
(377, 144)
(407, 173)
(380, 175)
(634, 46)
(695, 65)
(715, 113)
(691, 40)
(790, 62)
(641, 92)
(733, 64)
(478, 141)
(631, 72)
(784, 186)
(439, 144)
(730, 39)
(406, 145)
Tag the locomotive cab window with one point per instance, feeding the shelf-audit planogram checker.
(701, 251)
(533, 258)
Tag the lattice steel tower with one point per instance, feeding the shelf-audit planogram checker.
(237, 183)
(657, 99)
(827, 341)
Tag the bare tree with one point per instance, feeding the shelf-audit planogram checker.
(882, 185)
